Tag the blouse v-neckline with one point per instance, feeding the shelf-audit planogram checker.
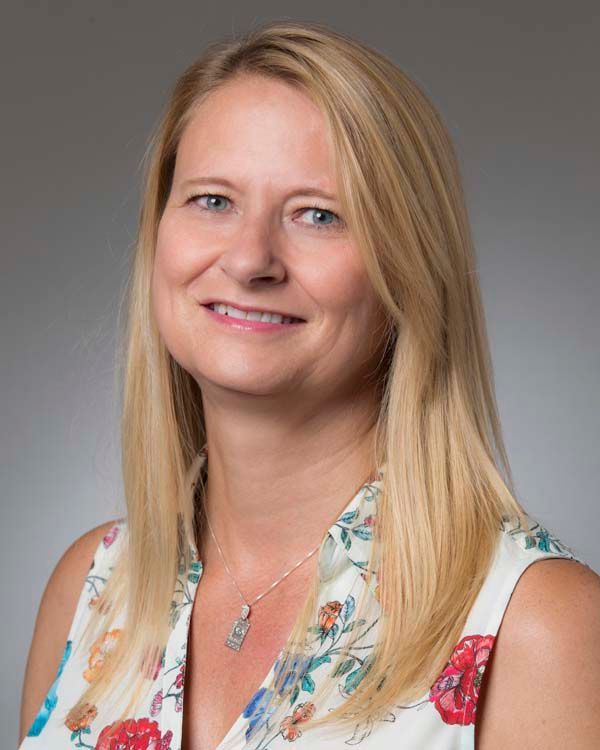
(345, 547)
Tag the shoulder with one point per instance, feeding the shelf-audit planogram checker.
(55, 615)
(63, 588)
(75, 563)
(64, 585)
(542, 682)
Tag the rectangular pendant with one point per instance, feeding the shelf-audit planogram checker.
(237, 633)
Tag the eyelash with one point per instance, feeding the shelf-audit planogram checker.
(323, 227)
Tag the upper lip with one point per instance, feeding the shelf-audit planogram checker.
(247, 308)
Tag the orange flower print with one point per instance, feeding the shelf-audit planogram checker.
(301, 714)
(88, 714)
(328, 614)
(98, 652)
(96, 601)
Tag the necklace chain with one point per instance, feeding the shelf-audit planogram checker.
(240, 627)
(272, 586)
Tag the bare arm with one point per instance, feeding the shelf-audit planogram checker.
(543, 689)
(54, 618)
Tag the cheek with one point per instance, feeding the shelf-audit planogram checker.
(178, 261)
(341, 289)
(172, 269)
(337, 281)
(171, 314)
(175, 254)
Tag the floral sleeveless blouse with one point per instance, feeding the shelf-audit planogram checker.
(442, 719)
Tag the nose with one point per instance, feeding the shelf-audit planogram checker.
(254, 251)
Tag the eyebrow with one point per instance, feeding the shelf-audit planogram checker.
(301, 190)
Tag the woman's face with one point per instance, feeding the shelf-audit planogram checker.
(240, 226)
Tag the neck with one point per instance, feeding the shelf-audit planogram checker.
(271, 500)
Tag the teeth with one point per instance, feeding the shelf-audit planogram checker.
(264, 317)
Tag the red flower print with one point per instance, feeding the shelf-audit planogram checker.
(289, 725)
(157, 669)
(156, 704)
(152, 665)
(110, 536)
(180, 676)
(456, 690)
(179, 702)
(328, 614)
(369, 521)
(133, 734)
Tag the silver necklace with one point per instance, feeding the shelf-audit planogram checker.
(240, 627)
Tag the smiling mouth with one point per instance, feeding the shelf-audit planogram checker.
(256, 316)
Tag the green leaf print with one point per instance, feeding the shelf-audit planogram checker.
(354, 624)
(345, 537)
(344, 668)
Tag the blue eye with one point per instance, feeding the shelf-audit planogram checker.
(211, 196)
(335, 223)
(323, 211)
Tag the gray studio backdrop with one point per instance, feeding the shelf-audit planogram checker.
(83, 84)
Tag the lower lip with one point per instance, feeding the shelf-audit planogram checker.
(250, 325)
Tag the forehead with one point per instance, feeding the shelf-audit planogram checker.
(255, 128)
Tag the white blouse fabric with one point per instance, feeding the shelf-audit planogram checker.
(443, 719)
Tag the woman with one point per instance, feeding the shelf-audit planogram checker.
(305, 318)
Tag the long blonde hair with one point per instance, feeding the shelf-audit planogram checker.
(447, 482)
